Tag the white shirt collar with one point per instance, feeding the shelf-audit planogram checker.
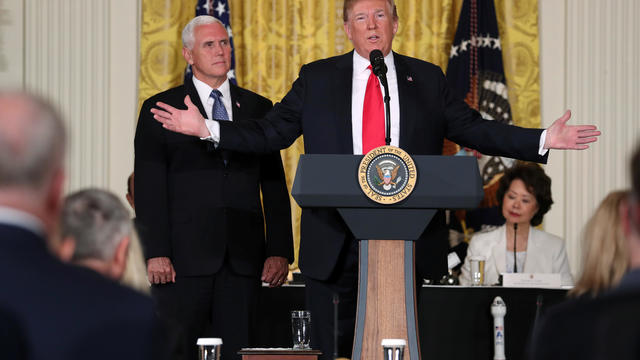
(11, 216)
(204, 90)
(360, 64)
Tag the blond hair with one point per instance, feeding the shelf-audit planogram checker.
(606, 257)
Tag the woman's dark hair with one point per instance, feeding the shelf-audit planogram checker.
(536, 182)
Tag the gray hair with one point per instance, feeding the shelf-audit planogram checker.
(97, 220)
(188, 37)
(32, 140)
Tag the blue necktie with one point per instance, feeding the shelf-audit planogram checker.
(218, 112)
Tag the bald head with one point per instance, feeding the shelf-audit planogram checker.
(32, 141)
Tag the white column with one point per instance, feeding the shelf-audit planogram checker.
(11, 43)
(83, 56)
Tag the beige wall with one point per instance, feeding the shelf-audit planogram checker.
(589, 64)
(83, 56)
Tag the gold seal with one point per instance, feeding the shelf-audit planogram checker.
(387, 174)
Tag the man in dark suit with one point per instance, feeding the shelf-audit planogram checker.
(64, 312)
(608, 326)
(200, 206)
(331, 104)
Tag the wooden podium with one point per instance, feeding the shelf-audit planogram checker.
(386, 285)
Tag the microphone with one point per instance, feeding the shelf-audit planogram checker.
(378, 66)
(515, 262)
(379, 69)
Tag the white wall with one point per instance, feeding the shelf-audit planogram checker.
(589, 63)
(83, 56)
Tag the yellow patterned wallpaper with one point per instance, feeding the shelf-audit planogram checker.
(273, 38)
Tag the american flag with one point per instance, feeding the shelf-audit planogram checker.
(221, 11)
(476, 74)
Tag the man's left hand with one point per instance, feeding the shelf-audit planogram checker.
(563, 136)
(275, 271)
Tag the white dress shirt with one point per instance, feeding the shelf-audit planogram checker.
(204, 92)
(358, 89)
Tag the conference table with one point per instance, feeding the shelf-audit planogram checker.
(454, 322)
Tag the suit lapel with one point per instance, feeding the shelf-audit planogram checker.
(190, 90)
(407, 97)
(236, 103)
(500, 252)
(343, 82)
(534, 254)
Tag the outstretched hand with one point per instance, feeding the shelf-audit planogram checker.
(188, 122)
(563, 136)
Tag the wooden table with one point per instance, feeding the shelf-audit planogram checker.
(279, 354)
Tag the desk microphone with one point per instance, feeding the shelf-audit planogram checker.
(515, 262)
(379, 69)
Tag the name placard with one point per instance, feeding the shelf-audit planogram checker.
(529, 280)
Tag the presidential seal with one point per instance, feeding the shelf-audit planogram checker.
(387, 174)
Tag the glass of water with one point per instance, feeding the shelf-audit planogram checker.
(301, 328)
(209, 348)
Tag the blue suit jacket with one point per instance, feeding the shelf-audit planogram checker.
(319, 106)
(67, 312)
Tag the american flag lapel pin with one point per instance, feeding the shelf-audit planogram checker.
(237, 104)
(409, 78)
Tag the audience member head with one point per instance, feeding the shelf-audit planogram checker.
(98, 225)
(130, 189)
(524, 194)
(32, 142)
(630, 212)
(370, 24)
(606, 256)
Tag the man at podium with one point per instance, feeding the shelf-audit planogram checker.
(337, 104)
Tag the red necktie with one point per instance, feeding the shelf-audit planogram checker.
(372, 115)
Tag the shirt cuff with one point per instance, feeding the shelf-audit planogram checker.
(541, 150)
(214, 131)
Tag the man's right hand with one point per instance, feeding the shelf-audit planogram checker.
(160, 270)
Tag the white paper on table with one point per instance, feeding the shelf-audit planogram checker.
(530, 280)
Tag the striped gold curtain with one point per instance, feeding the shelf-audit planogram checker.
(273, 38)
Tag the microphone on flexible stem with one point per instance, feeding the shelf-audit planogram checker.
(515, 232)
(379, 69)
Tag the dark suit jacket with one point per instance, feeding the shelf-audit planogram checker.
(605, 327)
(319, 106)
(67, 312)
(194, 208)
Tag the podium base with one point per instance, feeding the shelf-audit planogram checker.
(386, 299)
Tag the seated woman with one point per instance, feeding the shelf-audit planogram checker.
(524, 196)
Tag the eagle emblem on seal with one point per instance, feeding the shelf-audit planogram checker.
(388, 173)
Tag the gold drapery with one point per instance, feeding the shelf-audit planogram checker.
(273, 38)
